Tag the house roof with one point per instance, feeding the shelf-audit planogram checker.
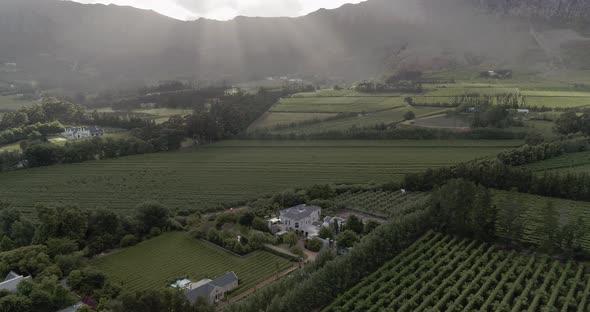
(299, 212)
(203, 291)
(95, 130)
(12, 283)
(11, 275)
(180, 283)
(73, 308)
(225, 279)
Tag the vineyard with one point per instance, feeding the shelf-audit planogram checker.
(575, 163)
(380, 203)
(442, 273)
(231, 171)
(153, 263)
(531, 207)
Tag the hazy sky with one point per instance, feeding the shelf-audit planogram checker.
(228, 9)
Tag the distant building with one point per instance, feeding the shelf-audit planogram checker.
(81, 133)
(523, 111)
(499, 74)
(148, 105)
(73, 308)
(212, 291)
(12, 280)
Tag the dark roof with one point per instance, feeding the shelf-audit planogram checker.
(225, 279)
(95, 130)
(200, 292)
(299, 212)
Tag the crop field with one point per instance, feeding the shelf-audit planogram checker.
(337, 104)
(386, 117)
(232, 171)
(532, 205)
(380, 203)
(557, 102)
(10, 103)
(160, 115)
(153, 263)
(574, 162)
(273, 119)
(442, 273)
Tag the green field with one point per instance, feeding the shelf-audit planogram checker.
(533, 205)
(574, 162)
(153, 263)
(11, 103)
(231, 171)
(386, 117)
(273, 119)
(160, 115)
(442, 273)
(337, 104)
(380, 203)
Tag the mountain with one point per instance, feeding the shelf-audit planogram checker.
(63, 44)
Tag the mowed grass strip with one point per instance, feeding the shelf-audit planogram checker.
(232, 171)
(152, 263)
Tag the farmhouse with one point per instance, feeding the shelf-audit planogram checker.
(523, 111)
(12, 280)
(211, 291)
(301, 219)
(81, 133)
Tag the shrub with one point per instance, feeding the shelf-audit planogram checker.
(128, 240)
(314, 245)
(296, 250)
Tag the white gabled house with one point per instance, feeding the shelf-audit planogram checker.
(12, 280)
(81, 133)
(301, 219)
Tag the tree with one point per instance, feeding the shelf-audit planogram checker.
(16, 303)
(321, 191)
(409, 100)
(347, 239)
(152, 214)
(510, 217)
(355, 224)
(246, 218)
(409, 116)
(484, 215)
(61, 246)
(290, 238)
(370, 226)
(86, 281)
(314, 245)
(567, 123)
(326, 233)
(7, 244)
(260, 225)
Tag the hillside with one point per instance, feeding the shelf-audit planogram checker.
(67, 44)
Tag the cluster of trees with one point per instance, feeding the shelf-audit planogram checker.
(57, 245)
(569, 122)
(404, 86)
(240, 233)
(47, 111)
(34, 131)
(386, 132)
(544, 150)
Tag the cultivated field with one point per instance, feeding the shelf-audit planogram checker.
(383, 204)
(337, 104)
(273, 119)
(574, 163)
(531, 207)
(232, 171)
(441, 273)
(153, 263)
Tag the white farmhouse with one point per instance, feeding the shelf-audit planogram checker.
(12, 280)
(81, 133)
(212, 291)
(301, 218)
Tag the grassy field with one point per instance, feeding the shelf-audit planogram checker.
(231, 171)
(11, 103)
(160, 115)
(151, 264)
(273, 119)
(442, 273)
(337, 104)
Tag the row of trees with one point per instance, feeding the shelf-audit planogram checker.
(33, 131)
(545, 150)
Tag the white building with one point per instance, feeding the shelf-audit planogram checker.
(81, 133)
(12, 280)
(302, 218)
(212, 291)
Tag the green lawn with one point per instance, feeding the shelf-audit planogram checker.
(232, 171)
(152, 263)
(161, 115)
(337, 104)
(272, 119)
